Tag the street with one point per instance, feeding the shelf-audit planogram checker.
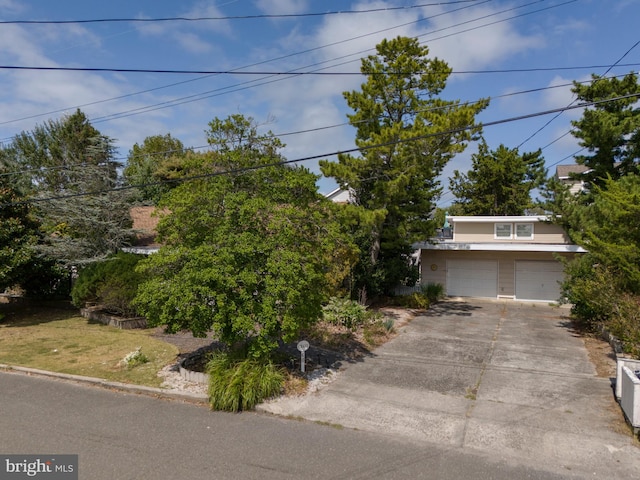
(125, 436)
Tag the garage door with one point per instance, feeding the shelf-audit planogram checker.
(538, 280)
(472, 278)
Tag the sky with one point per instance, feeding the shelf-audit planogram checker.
(523, 54)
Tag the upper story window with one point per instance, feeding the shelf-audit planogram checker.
(524, 231)
(510, 231)
(503, 231)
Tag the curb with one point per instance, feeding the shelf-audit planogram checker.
(197, 398)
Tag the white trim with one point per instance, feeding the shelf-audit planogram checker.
(498, 219)
(141, 250)
(504, 247)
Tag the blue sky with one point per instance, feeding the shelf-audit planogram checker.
(480, 35)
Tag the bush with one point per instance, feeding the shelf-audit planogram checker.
(433, 291)
(625, 323)
(236, 385)
(598, 301)
(591, 291)
(416, 300)
(344, 312)
(112, 283)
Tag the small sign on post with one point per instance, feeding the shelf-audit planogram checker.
(303, 346)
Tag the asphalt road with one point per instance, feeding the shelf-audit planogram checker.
(126, 436)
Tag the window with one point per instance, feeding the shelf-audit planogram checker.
(502, 231)
(524, 231)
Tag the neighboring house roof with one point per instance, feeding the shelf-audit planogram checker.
(146, 218)
(563, 172)
(567, 175)
(339, 196)
(145, 223)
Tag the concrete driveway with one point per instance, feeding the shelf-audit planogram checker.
(505, 379)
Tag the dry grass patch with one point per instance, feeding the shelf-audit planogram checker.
(59, 340)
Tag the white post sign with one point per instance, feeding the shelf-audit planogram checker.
(303, 346)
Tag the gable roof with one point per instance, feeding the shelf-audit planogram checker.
(565, 171)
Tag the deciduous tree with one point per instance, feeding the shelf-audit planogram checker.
(246, 250)
(148, 164)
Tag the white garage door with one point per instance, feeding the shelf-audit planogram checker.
(538, 280)
(472, 278)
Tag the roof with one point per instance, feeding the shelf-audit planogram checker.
(502, 247)
(565, 171)
(497, 219)
(145, 224)
(339, 195)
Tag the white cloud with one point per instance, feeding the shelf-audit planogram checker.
(481, 47)
(190, 35)
(282, 7)
(12, 6)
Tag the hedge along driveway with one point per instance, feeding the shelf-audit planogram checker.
(55, 338)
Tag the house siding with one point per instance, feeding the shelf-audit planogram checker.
(469, 232)
(506, 265)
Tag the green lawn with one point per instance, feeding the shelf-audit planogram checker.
(57, 338)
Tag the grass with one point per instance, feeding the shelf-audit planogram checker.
(57, 339)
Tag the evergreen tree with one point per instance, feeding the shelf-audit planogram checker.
(18, 236)
(610, 131)
(406, 134)
(72, 178)
(499, 182)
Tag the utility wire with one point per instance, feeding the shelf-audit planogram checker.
(294, 73)
(576, 99)
(235, 17)
(204, 95)
(477, 2)
(287, 72)
(198, 97)
(321, 156)
(310, 130)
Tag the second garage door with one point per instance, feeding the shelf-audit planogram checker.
(472, 278)
(538, 280)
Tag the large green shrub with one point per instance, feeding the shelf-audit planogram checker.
(236, 385)
(591, 289)
(112, 283)
(599, 302)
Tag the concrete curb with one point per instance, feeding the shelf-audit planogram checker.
(197, 398)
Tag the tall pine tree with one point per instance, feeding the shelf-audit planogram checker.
(406, 134)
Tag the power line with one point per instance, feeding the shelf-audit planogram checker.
(198, 97)
(295, 72)
(287, 72)
(234, 17)
(316, 129)
(477, 2)
(321, 156)
(209, 94)
(576, 99)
